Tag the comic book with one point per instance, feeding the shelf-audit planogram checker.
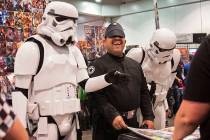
(163, 134)
(37, 18)
(2, 5)
(10, 19)
(38, 5)
(27, 5)
(10, 35)
(18, 34)
(3, 16)
(9, 5)
(2, 34)
(17, 5)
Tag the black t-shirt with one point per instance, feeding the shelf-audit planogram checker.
(198, 82)
(121, 97)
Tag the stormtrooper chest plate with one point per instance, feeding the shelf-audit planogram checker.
(59, 67)
(159, 73)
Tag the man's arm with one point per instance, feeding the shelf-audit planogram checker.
(189, 116)
(16, 132)
(99, 82)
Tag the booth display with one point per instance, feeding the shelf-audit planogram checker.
(18, 21)
(92, 46)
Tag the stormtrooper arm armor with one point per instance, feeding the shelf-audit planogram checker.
(176, 58)
(136, 54)
(94, 84)
(26, 64)
(89, 84)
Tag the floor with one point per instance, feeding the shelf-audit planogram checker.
(87, 135)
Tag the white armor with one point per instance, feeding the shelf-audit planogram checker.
(157, 66)
(59, 23)
(52, 91)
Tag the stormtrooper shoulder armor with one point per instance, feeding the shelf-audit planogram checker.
(176, 58)
(79, 57)
(27, 59)
(136, 54)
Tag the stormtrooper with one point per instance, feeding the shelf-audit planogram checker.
(48, 68)
(159, 62)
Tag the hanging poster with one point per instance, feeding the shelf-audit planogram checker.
(93, 44)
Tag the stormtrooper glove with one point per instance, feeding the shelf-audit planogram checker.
(116, 77)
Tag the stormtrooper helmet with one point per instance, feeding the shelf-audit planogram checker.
(161, 46)
(59, 23)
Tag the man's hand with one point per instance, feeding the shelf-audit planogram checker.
(118, 123)
(149, 123)
(116, 77)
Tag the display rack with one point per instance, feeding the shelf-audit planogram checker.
(18, 20)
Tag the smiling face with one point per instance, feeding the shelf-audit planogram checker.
(115, 45)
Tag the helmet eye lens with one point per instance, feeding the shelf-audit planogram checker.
(161, 49)
(61, 18)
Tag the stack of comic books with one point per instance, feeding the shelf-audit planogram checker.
(163, 134)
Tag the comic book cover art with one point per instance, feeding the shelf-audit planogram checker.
(27, 5)
(10, 35)
(33, 30)
(27, 19)
(23, 19)
(26, 32)
(2, 41)
(10, 19)
(3, 15)
(100, 33)
(17, 5)
(2, 48)
(11, 48)
(9, 5)
(94, 36)
(2, 34)
(37, 18)
(2, 5)
(18, 34)
(38, 4)
(18, 19)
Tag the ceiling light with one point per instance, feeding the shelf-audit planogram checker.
(98, 1)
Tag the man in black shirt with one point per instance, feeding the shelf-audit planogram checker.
(195, 108)
(114, 107)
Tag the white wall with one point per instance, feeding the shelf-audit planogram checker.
(192, 18)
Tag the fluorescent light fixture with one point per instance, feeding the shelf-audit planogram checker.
(98, 1)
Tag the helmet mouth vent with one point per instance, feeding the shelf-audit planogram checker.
(69, 41)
